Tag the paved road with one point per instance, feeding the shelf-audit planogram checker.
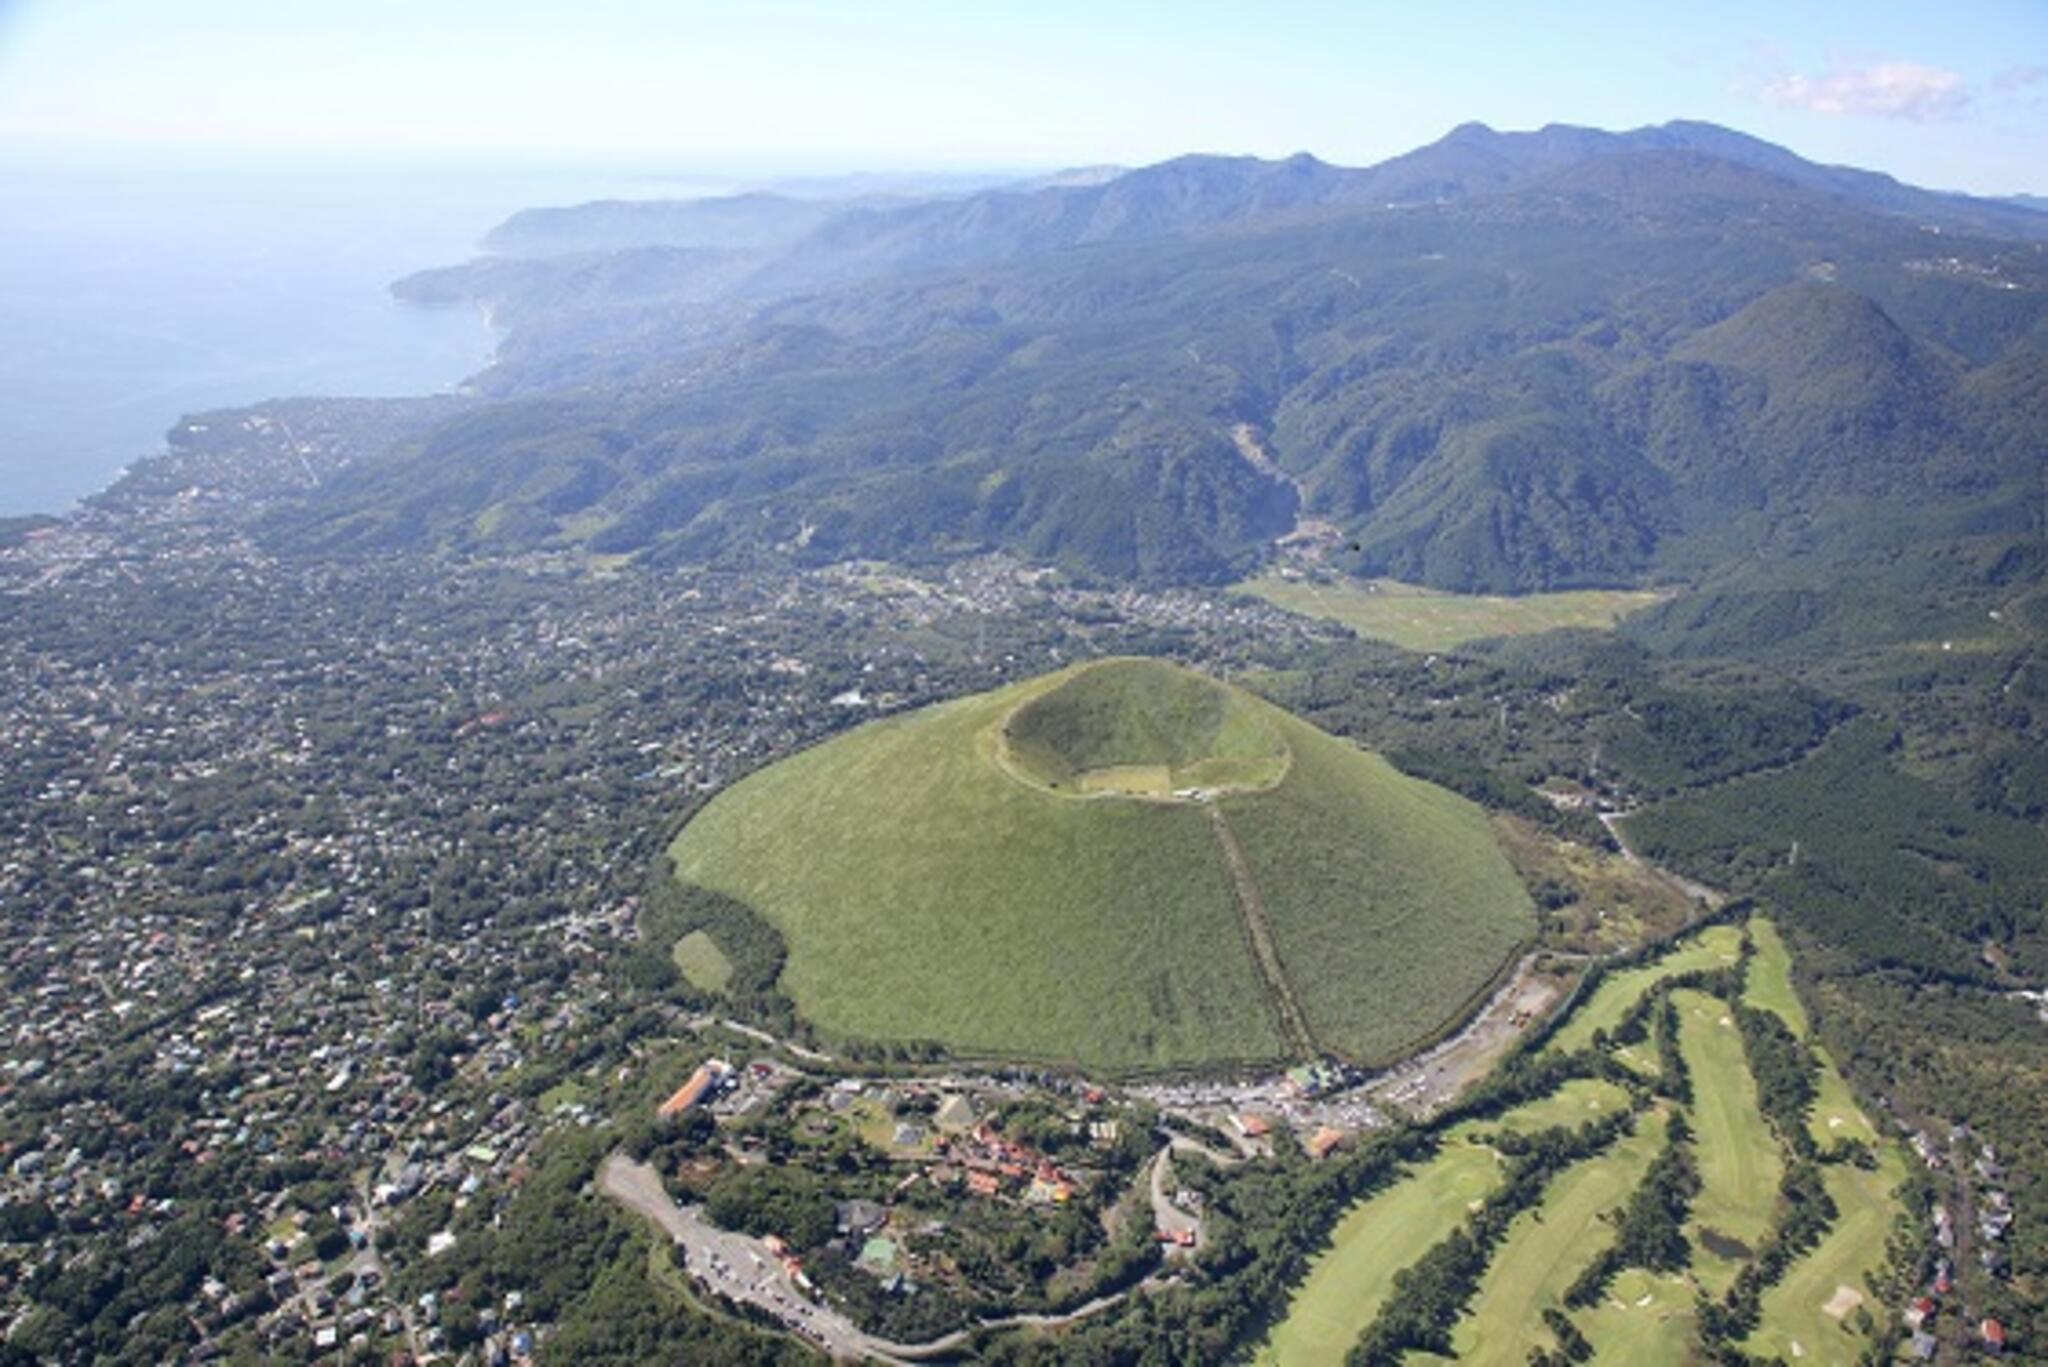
(742, 1269)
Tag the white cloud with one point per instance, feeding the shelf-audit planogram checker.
(2019, 77)
(1892, 90)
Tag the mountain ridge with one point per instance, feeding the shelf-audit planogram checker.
(1642, 362)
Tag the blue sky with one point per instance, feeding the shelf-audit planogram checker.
(1952, 94)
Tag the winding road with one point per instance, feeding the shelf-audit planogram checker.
(741, 1268)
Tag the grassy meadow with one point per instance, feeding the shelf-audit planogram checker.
(1361, 924)
(1418, 618)
(928, 891)
(702, 962)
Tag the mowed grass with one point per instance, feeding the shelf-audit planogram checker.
(702, 962)
(1738, 1156)
(1430, 619)
(1576, 1102)
(1794, 1312)
(1769, 987)
(926, 891)
(1363, 924)
(1349, 1282)
(1835, 1114)
(1712, 947)
(1795, 1322)
(1546, 1248)
(1646, 1321)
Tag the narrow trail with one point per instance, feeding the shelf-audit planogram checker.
(1293, 1024)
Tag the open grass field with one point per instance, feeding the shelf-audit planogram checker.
(1770, 977)
(1738, 1156)
(1349, 1282)
(1646, 1321)
(928, 890)
(702, 962)
(1796, 1314)
(1710, 948)
(1420, 618)
(1546, 1248)
(1578, 1101)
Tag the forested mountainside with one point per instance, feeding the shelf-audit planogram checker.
(1502, 362)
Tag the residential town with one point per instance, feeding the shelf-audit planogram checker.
(308, 937)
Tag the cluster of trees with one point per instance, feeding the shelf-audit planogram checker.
(1867, 860)
(671, 908)
(1500, 791)
(1674, 1074)
(1786, 1071)
(1942, 1050)
(773, 1198)
(134, 1305)
(1430, 1294)
(1671, 739)
(1265, 1221)
(1572, 1345)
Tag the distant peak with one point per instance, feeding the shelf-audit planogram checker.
(1472, 128)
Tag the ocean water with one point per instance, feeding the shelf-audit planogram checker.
(135, 291)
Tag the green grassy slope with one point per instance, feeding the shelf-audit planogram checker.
(926, 895)
(928, 891)
(1362, 924)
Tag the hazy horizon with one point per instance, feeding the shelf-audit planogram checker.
(209, 200)
(799, 85)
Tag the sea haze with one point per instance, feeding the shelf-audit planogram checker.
(132, 293)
